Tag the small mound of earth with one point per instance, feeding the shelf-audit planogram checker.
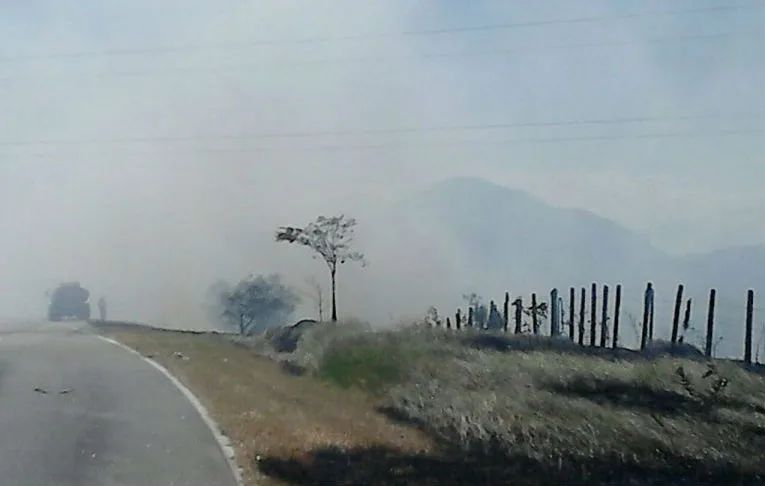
(285, 340)
(514, 342)
(660, 348)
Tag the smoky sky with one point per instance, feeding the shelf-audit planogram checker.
(128, 161)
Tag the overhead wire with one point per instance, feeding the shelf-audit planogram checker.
(426, 145)
(383, 35)
(401, 130)
(409, 57)
(390, 130)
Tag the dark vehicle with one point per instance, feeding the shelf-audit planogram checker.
(69, 301)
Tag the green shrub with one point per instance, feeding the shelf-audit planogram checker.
(373, 368)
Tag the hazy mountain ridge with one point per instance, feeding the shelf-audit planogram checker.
(497, 233)
(495, 226)
(736, 268)
(480, 236)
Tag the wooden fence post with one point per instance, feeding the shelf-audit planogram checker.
(617, 310)
(676, 315)
(582, 303)
(534, 317)
(506, 312)
(554, 313)
(571, 304)
(646, 312)
(651, 315)
(518, 315)
(593, 313)
(749, 321)
(604, 319)
(710, 323)
(686, 319)
(492, 313)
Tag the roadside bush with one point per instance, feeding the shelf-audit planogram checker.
(376, 360)
(366, 366)
(317, 340)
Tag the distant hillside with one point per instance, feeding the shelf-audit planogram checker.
(499, 235)
(735, 268)
(468, 234)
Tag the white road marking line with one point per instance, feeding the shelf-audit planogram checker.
(225, 444)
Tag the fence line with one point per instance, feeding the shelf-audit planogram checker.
(479, 317)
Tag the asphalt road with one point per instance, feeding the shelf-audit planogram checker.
(76, 410)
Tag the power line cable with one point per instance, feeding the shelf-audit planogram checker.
(384, 35)
(391, 131)
(411, 57)
(432, 144)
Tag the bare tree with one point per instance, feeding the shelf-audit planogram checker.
(432, 319)
(317, 295)
(331, 238)
(480, 309)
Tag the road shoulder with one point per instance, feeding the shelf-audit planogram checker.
(263, 410)
(223, 441)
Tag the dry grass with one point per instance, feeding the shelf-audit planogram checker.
(564, 415)
(499, 411)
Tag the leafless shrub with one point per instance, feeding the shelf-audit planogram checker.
(707, 388)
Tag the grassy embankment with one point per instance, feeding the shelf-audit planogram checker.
(422, 406)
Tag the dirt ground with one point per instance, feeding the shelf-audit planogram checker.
(267, 413)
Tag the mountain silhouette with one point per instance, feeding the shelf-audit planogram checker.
(468, 234)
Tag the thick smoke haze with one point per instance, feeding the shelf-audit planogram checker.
(136, 172)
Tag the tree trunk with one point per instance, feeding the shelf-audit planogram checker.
(321, 306)
(334, 298)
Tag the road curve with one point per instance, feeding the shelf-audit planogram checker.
(76, 410)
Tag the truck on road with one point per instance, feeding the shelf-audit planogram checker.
(69, 301)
